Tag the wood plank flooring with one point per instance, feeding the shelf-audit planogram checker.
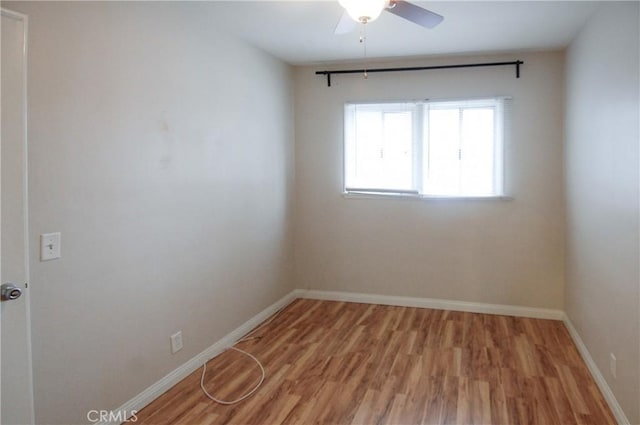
(348, 363)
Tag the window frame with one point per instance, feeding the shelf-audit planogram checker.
(501, 130)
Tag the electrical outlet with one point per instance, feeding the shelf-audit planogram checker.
(612, 365)
(176, 342)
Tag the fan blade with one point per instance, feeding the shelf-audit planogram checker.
(415, 14)
(345, 25)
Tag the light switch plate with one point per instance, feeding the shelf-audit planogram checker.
(50, 246)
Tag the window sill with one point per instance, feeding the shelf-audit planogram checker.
(411, 197)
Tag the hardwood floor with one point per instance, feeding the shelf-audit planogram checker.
(347, 363)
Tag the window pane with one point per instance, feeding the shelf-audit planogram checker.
(396, 152)
(442, 174)
(382, 158)
(369, 137)
(477, 158)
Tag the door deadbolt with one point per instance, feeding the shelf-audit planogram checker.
(9, 292)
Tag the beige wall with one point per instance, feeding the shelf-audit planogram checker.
(491, 251)
(602, 295)
(163, 152)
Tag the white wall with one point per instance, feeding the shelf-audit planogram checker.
(163, 152)
(602, 127)
(505, 252)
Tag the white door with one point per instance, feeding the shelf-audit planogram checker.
(16, 392)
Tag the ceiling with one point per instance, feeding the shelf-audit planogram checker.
(301, 32)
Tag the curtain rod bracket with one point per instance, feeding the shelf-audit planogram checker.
(420, 68)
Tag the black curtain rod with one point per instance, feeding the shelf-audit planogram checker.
(419, 68)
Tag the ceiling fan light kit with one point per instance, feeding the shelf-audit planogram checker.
(364, 10)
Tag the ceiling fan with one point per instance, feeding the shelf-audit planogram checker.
(364, 11)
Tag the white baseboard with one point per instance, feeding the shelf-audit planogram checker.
(178, 374)
(597, 375)
(438, 304)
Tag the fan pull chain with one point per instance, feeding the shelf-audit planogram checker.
(363, 40)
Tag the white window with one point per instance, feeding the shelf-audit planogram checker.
(451, 148)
